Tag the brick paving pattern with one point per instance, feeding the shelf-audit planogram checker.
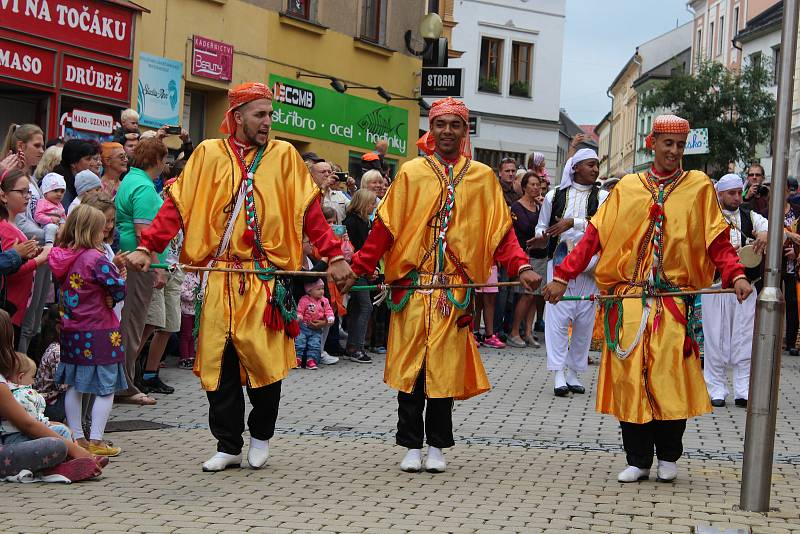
(524, 461)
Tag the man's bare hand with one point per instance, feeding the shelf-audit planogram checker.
(553, 291)
(537, 242)
(530, 279)
(342, 275)
(161, 279)
(26, 249)
(760, 244)
(139, 260)
(742, 288)
(560, 227)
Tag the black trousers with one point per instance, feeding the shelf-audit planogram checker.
(790, 296)
(438, 424)
(639, 440)
(226, 407)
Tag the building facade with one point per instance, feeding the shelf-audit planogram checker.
(66, 65)
(326, 60)
(511, 55)
(716, 23)
(652, 63)
(760, 42)
(603, 131)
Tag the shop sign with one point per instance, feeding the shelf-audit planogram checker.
(212, 59)
(438, 82)
(27, 63)
(93, 78)
(100, 26)
(310, 110)
(160, 87)
(92, 122)
(697, 142)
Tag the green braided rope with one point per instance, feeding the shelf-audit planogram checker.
(414, 277)
(464, 303)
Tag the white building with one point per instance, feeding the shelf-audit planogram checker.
(512, 51)
(760, 42)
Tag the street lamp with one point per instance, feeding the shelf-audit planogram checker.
(430, 29)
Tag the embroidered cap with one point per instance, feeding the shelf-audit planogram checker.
(446, 106)
(240, 95)
(671, 124)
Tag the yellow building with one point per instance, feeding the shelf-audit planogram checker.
(355, 42)
(623, 118)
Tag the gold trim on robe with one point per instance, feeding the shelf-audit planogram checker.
(419, 334)
(283, 191)
(656, 381)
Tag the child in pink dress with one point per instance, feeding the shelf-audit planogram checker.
(314, 312)
(49, 212)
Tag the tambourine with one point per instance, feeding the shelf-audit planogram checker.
(562, 250)
(748, 257)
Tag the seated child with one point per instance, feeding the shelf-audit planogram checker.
(49, 212)
(314, 312)
(21, 387)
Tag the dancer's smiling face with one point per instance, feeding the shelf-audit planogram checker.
(668, 151)
(448, 131)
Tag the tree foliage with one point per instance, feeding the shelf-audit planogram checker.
(732, 103)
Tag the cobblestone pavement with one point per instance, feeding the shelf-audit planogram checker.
(525, 461)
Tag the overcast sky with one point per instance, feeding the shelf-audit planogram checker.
(599, 38)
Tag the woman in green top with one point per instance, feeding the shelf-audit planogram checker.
(137, 204)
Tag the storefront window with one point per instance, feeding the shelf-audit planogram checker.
(194, 115)
(21, 106)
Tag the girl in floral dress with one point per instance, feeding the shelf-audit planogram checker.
(92, 354)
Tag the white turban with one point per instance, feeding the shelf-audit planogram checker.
(569, 168)
(728, 182)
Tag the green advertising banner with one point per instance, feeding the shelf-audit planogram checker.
(313, 111)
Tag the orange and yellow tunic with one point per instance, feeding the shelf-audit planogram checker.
(658, 379)
(406, 231)
(201, 201)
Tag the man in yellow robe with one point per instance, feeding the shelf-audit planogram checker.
(443, 221)
(244, 202)
(659, 231)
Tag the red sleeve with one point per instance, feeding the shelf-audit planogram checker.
(510, 255)
(577, 260)
(725, 258)
(319, 232)
(378, 242)
(164, 227)
(27, 267)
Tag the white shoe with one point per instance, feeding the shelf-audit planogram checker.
(633, 474)
(412, 462)
(327, 359)
(516, 342)
(258, 454)
(667, 471)
(571, 378)
(434, 463)
(222, 461)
